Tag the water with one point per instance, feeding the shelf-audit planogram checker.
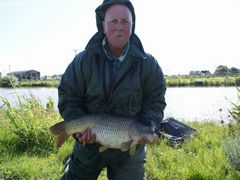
(188, 103)
(208, 104)
(42, 93)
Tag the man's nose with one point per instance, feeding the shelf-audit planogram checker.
(119, 26)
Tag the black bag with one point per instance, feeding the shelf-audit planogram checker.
(176, 132)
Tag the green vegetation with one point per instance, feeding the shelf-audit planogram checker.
(9, 81)
(232, 141)
(222, 76)
(172, 81)
(235, 113)
(202, 157)
(224, 71)
(39, 83)
(181, 81)
(232, 150)
(27, 149)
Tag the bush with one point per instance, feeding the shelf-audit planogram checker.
(237, 81)
(9, 81)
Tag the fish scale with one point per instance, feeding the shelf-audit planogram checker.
(111, 131)
(117, 131)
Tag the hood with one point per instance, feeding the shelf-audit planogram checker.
(96, 40)
(100, 12)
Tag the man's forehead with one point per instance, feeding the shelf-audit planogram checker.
(118, 9)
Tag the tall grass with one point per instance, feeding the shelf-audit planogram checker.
(232, 150)
(235, 113)
(27, 150)
(29, 123)
(232, 141)
(38, 83)
(180, 81)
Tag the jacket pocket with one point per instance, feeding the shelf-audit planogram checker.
(135, 103)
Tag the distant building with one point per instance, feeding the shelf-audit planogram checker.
(0, 75)
(28, 74)
(200, 73)
(205, 73)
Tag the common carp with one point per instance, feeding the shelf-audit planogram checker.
(111, 131)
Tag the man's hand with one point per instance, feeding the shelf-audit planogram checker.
(144, 140)
(87, 137)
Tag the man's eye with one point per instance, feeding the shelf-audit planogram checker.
(125, 22)
(113, 21)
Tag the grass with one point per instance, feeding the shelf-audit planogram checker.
(232, 150)
(23, 157)
(207, 81)
(38, 83)
(200, 158)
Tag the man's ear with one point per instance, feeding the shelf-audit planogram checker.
(103, 27)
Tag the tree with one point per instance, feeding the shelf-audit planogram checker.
(221, 71)
(234, 71)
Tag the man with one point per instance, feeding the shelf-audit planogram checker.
(113, 75)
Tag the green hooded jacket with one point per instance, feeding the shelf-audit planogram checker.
(139, 89)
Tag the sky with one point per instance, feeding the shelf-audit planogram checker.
(182, 35)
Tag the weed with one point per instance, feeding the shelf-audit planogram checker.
(232, 141)
(30, 123)
(232, 150)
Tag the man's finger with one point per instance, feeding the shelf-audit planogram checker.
(78, 135)
(83, 137)
(89, 134)
(93, 138)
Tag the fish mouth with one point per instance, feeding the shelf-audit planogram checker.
(153, 137)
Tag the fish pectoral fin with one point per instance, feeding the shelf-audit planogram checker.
(57, 129)
(126, 145)
(132, 150)
(103, 148)
(61, 139)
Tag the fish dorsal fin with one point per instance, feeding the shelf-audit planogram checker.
(132, 150)
(103, 148)
(126, 145)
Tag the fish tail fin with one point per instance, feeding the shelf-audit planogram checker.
(61, 138)
(57, 129)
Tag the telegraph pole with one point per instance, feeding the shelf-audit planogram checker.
(75, 52)
(9, 68)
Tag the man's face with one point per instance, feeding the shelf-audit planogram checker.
(117, 26)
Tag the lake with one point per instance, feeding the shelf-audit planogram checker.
(185, 103)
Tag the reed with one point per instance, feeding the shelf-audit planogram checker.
(29, 123)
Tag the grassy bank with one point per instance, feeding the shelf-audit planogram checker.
(172, 81)
(27, 150)
(39, 83)
(207, 81)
